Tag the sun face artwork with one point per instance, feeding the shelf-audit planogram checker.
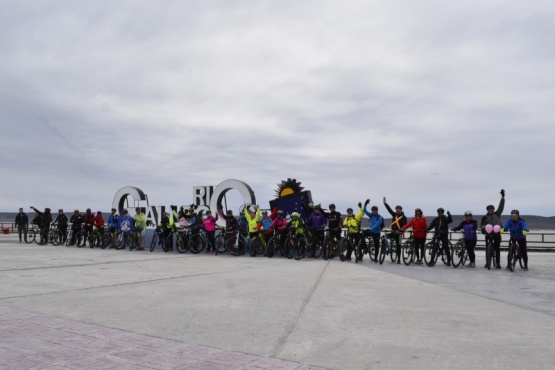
(291, 197)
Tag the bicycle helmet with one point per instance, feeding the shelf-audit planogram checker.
(374, 208)
(398, 207)
(349, 210)
(490, 206)
(331, 206)
(294, 214)
(76, 211)
(98, 213)
(515, 212)
(468, 213)
(280, 212)
(60, 210)
(440, 210)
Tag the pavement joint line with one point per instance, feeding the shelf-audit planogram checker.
(283, 337)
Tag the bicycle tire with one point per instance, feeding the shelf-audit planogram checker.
(272, 246)
(489, 255)
(328, 248)
(290, 244)
(444, 256)
(79, 239)
(232, 247)
(383, 251)
(317, 249)
(300, 248)
(30, 236)
(53, 237)
(255, 244)
(344, 246)
(371, 249)
(219, 242)
(407, 250)
(106, 240)
(457, 254)
(430, 255)
(196, 244)
(393, 252)
(181, 243)
(521, 262)
(513, 257)
(358, 252)
(167, 245)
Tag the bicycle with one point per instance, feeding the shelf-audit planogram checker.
(408, 249)
(514, 252)
(385, 248)
(95, 238)
(31, 234)
(315, 242)
(295, 245)
(258, 244)
(275, 244)
(330, 245)
(391, 248)
(370, 248)
(127, 239)
(433, 250)
(348, 243)
(226, 242)
(491, 255)
(158, 239)
(197, 241)
(459, 253)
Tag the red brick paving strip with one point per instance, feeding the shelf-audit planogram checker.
(30, 340)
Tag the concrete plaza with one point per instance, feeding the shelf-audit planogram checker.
(82, 308)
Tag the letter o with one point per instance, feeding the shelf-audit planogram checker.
(122, 194)
(243, 188)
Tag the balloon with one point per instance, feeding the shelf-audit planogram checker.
(496, 228)
(489, 228)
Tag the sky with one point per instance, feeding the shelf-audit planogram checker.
(428, 103)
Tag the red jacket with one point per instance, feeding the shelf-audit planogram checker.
(419, 226)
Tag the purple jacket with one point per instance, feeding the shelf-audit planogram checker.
(317, 221)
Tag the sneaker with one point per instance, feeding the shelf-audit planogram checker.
(448, 263)
(508, 268)
(472, 265)
(525, 268)
(498, 267)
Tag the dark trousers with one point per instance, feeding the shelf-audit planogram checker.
(376, 240)
(419, 246)
(445, 246)
(470, 245)
(521, 243)
(355, 237)
(496, 238)
(22, 230)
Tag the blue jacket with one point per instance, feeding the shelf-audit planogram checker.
(516, 228)
(126, 223)
(113, 220)
(376, 221)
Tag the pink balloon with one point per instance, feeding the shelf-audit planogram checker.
(489, 228)
(496, 228)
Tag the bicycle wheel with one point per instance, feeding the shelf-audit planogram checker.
(430, 254)
(30, 236)
(300, 248)
(489, 255)
(290, 244)
(393, 251)
(272, 246)
(232, 246)
(371, 249)
(106, 240)
(79, 239)
(513, 257)
(317, 248)
(408, 252)
(359, 252)
(328, 248)
(383, 251)
(445, 257)
(457, 255)
(196, 244)
(465, 256)
(255, 245)
(68, 238)
(182, 243)
(344, 247)
(220, 244)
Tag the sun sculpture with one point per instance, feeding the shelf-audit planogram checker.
(291, 197)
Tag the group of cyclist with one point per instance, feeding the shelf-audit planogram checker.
(252, 222)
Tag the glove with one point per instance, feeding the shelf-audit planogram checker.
(502, 230)
(524, 232)
(502, 193)
(359, 205)
(367, 201)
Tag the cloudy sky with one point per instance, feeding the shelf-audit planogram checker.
(430, 103)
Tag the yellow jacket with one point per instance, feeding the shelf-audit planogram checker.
(352, 222)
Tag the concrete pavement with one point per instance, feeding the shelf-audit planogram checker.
(268, 313)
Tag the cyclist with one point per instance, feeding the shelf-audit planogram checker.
(76, 222)
(469, 227)
(317, 222)
(280, 225)
(62, 222)
(88, 221)
(440, 224)
(99, 222)
(352, 223)
(45, 220)
(126, 223)
(22, 223)
(296, 224)
(518, 229)
(230, 222)
(209, 225)
(265, 224)
(140, 224)
(252, 218)
(419, 225)
(113, 225)
(182, 221)
(166, 224)
(493, 217)
(398, 221)
(335, 222)
(376, 223)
